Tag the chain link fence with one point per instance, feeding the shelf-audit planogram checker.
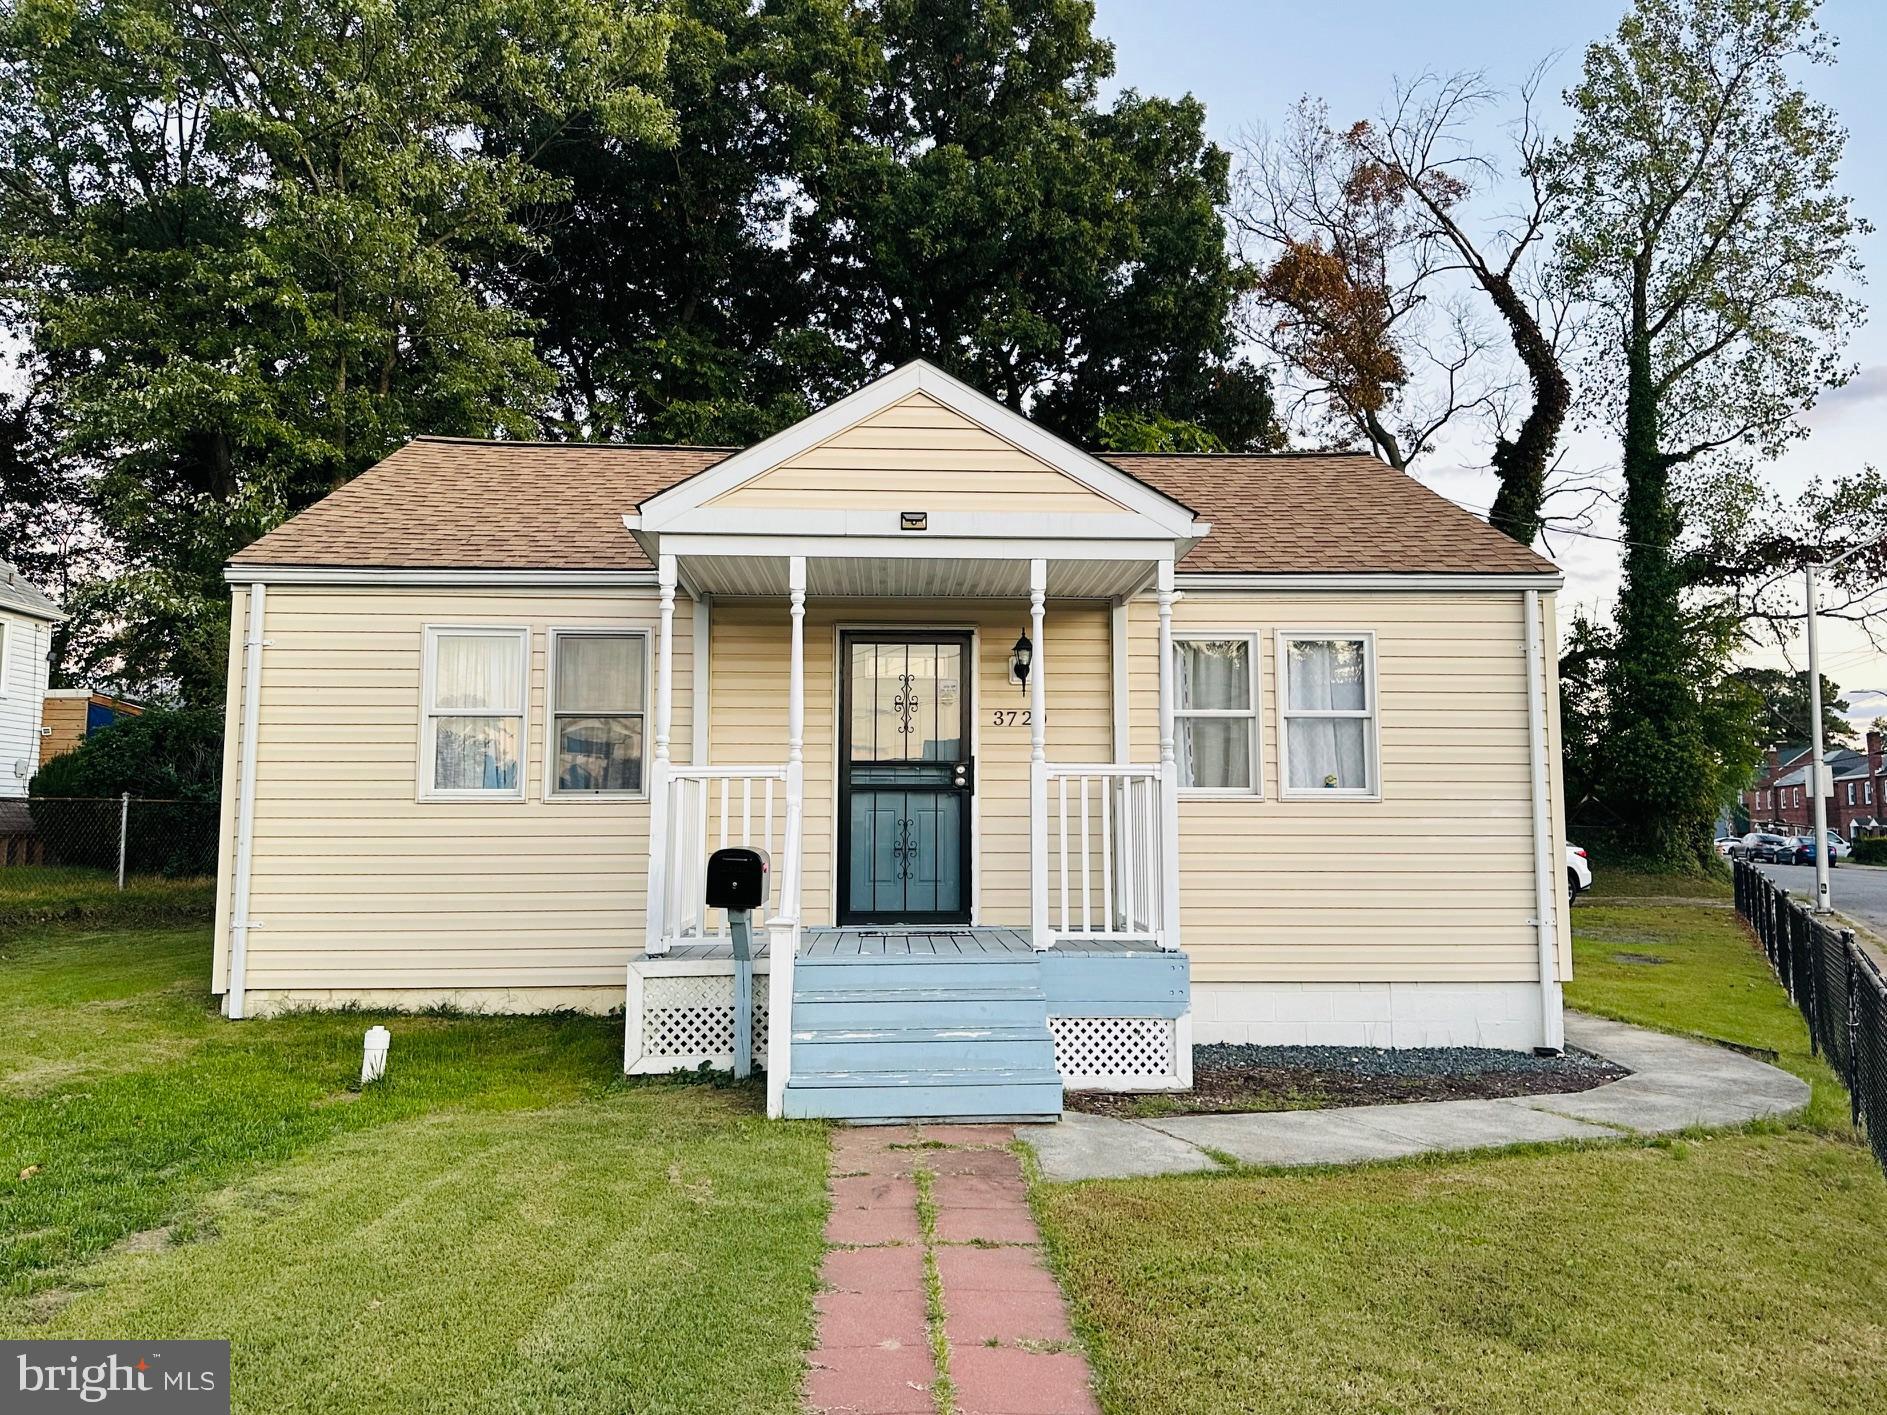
(111, 837)
(1838, 987)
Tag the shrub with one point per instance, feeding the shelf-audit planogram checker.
(170, 760)
(1871, 851)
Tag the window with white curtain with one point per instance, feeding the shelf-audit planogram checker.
(1215, 711)
(1327, 713)
(475, 693)
(598, 711)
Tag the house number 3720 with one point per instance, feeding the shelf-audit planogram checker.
(1010, 717)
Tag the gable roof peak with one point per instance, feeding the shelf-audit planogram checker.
(1135, 496)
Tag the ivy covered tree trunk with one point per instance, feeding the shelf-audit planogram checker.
(1657, 760)
(1521, 461)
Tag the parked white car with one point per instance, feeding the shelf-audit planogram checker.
(1838, 847)
(1578, 872)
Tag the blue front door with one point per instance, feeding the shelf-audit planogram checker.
(905, 778)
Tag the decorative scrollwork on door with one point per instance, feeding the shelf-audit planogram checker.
(904, 850)
(905, 704)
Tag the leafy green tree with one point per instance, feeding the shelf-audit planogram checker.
(858, 185)
(1126, 431)
(981, 210)
(1705, 225)
(1784, 698)
(667, 300)
(247, 249)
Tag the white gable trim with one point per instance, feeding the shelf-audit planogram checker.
(662, 510)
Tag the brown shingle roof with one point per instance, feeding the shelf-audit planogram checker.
(1325, 513)
(441, 503)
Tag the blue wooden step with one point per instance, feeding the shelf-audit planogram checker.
(841, 974)
(982, 1099)
(901, 1049)
(892, 1037)
(864, 1008)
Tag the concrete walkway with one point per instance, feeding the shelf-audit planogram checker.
(1675, 1084)
(933, 1250)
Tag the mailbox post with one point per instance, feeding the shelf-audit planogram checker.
(737, 882)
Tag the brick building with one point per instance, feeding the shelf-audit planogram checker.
(1780, 800)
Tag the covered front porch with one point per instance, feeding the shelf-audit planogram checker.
(948, 865)
(1095, 839)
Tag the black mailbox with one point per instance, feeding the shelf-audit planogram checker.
(737, 878)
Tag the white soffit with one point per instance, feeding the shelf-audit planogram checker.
(896, 577)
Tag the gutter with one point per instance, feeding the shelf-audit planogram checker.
(1546, 871)
(443, 576)
(239, 922)
(1388, 580)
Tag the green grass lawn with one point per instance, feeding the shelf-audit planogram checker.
(33, 894)
(1738, 1272)
(502, 1224)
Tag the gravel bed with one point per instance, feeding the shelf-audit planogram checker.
(1229, 1078)
(1390, 1061)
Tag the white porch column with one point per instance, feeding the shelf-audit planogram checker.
(783, 928)
(655, 940)
(795, 736)
(1117, 659)
(1169, 770)
(698, 698)
(1038, 760)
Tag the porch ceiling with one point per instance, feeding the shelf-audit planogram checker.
(889, 577)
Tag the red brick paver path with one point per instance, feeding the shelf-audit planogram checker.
(1010, 1350)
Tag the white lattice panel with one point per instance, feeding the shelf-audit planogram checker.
(689, 1017)
(1097, 1052)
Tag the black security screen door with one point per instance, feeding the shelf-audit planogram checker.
(904, 778)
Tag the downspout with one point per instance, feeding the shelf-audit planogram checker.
(239, 923)
(1546, 872)
(38, 739)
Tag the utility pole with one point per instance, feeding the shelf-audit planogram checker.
(1823, 902)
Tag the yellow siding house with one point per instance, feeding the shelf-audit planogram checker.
(1061, 762)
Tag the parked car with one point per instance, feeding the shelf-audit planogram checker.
(1578, 872)
(1726, 845)
(1802, 851)
(1767, 849)
(1840, 846)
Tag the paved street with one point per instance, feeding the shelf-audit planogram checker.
(1859, 891)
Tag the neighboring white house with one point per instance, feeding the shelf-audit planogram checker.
(26, 620)
(1063, 760)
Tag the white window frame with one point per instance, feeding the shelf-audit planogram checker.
(1867, 793)
(1255, 713)
(1369, 714)
(597, 631)
(429, 716)
(1850, 793)
(6, 647)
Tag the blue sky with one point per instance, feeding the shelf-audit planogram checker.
(1248, 62)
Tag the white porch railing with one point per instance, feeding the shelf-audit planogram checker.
(708, 808)
(1107, 834)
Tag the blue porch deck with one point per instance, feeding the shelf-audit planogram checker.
(889, 1025)
(978, 941)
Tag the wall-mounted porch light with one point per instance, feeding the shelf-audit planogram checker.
(1019, 658)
